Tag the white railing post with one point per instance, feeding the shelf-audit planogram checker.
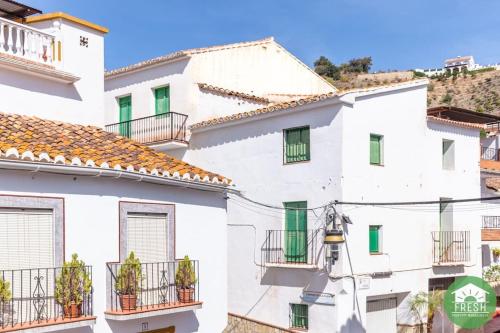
(2, 37)
(10, 42)
(19, 50)
(26, 42)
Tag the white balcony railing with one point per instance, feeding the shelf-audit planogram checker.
(22, 41)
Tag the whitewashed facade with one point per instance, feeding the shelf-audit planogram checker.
(52, 67)
(250, 151)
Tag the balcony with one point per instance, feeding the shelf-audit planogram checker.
(32, 51)
(450, 248)
(490, 158)
(490, 229)
(165, 131)
(32, 299)
(149, 289)
(291, 248)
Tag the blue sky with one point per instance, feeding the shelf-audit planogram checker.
(398, 34)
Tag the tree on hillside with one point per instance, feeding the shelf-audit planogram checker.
(324, 67)
(358, 65)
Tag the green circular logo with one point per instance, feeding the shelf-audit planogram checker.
(470, 302)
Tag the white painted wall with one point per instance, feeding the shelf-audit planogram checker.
(91, 230)
(81, 102)
(251, 153)
(260, 70)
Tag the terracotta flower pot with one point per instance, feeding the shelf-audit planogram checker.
(185, 295)
(128, 302)
(72, 310)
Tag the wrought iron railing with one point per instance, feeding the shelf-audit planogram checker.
(149, 286)
(44, 295)
(450, 246)
(491, 222)
(290, 247)
(490, 154)
(170, 126)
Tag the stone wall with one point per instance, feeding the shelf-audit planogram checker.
(241, 324)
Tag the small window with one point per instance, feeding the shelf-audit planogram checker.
(375, 239)
(376, 149)
(299, 316)
(297, 145)
(162, 100)
(448, 154)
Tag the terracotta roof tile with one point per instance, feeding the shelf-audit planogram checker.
(180, 54)
(293, 104)
(89, 144)
(229, 92)
(456, 123)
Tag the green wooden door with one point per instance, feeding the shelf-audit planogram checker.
(296, 232)
(374, 239)
(125, 104)
(162, 100)
(375, 149)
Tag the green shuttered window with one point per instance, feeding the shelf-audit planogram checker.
(297, 145)
(299, 316)
(376, 149)
(162, 100)
(125, 105)
(296, 231)
(374, 239)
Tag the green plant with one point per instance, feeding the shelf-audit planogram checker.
(185, 276)
(492, 273)
(496, 251)
(428, 303)
(129, 276)
(5, 294)
(73, 282)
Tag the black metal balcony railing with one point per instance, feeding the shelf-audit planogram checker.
(290, 247)
(491, 222)
(39, 296)
(150, 286)
(451, 246)
(165, 127)
(490, 154)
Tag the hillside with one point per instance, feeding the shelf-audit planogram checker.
(478, 92)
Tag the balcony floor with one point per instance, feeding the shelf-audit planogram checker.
(152, 311)
(51, 325)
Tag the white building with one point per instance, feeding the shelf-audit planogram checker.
(77, 189)
(305, 152)
(460, 63)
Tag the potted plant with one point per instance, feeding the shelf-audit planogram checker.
(496, 252)
(128, 282)
(72, 285)
(185, 278)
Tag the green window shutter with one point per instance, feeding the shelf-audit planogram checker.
(374, 239)
(375, 149)
(125, 105)
(162, 100)
(296, 232)
(300, 316)
(297, 145)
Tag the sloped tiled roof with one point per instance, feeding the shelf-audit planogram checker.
(268, 109)
(34, 139)
(286, 105)
(456, 123)
(181, 54)
(229, 92)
